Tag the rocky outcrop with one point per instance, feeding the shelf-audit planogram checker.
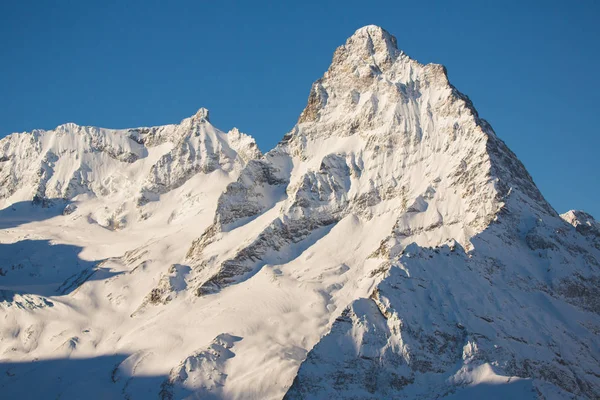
(202, 373)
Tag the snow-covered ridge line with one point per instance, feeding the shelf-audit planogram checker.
(72, 161)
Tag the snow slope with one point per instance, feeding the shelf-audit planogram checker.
(390, 246)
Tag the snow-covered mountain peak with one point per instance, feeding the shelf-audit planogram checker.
(381, 135)
(67, 127)
(582, 221)
(372, 40)
(202, 115)
(370, 66)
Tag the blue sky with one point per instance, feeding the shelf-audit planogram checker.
(531, 69)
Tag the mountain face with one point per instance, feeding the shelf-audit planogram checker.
(390, 246)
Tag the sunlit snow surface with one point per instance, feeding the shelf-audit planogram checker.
(390, 246)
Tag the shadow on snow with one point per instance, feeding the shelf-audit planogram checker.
(76, 378)
(25, 212)
(40, 267)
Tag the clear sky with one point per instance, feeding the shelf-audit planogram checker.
(530, 67)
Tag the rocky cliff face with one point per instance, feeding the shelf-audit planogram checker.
(390, 246)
